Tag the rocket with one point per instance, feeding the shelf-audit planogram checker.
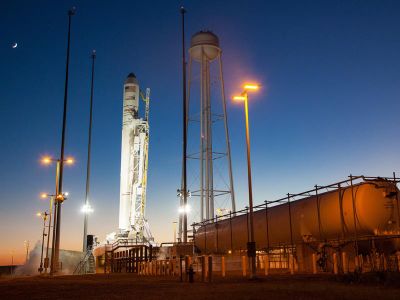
(134, 151)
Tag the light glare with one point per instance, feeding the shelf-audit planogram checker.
(86, 209)
(184, 209)
(251, 87)
(46, 160)
(70, 161)
(239, 98)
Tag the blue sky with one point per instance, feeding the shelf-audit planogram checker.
(329, 105)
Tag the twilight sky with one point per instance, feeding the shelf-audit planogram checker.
(329, 105)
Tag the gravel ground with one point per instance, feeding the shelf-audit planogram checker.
(130, 286)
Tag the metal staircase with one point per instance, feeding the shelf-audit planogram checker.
(87, 264)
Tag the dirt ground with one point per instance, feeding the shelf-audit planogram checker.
(130, 286)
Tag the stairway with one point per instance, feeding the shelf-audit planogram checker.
(87, 264)
(91, 265)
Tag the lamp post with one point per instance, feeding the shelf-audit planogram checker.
(251, 245)
(58, 198)
(43, 215)
(52, 197)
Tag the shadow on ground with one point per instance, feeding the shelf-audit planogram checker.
(124, 286)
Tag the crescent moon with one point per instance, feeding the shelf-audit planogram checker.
(15, 45)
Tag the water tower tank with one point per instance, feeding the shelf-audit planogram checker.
(204, 42)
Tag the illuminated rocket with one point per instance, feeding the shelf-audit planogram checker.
(134, 160)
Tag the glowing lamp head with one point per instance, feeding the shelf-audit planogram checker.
(251, 87)
(70, 161)
(44, 195)
(39, 214)
(46, 160)
(239, 98)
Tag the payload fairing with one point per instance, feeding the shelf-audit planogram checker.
(134, 162)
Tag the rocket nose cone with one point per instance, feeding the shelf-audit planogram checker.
(131, 78)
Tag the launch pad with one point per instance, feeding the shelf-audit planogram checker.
(124, 255)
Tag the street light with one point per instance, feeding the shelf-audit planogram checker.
(251, 87)
(58, 198)
(44, 216)
(251, 245)
(51, 197)
(46, 160)
(69, 161)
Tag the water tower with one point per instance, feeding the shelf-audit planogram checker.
(208, 144)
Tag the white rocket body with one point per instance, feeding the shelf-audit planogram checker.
(133, 161)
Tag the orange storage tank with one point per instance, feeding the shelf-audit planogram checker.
(375, 211)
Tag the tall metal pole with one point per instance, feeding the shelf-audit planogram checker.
(43, 235)
(53, 241)
(85, 222)
(71, 12)
(251, 246)
(46, 260)
(184, 188)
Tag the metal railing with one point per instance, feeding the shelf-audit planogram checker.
(318, 191)
(353, 180)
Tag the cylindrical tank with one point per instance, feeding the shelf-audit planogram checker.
(204, 44)
(375, 210)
